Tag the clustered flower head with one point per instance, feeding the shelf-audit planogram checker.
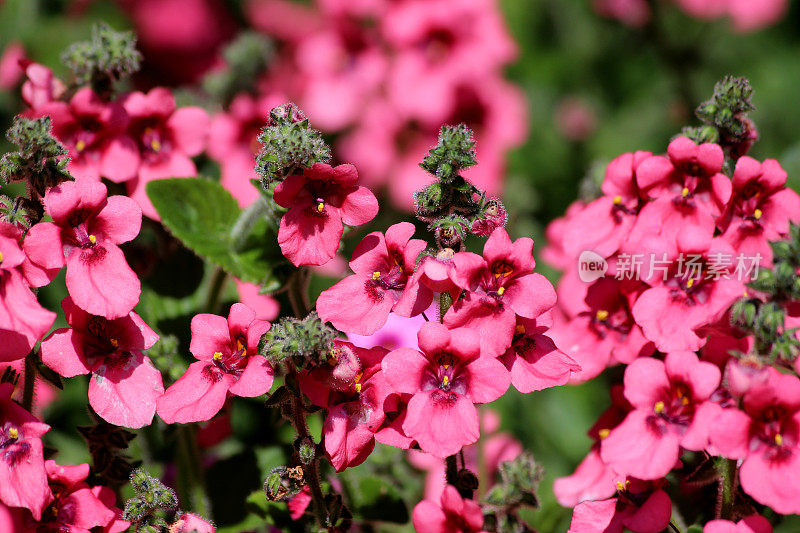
(674, 271)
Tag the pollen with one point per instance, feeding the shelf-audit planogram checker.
(13, 433)
(376, 275)
(689, 283)
(320, 207)
(445, 381)
(757, 214)
(501, 290)
(617, 200)
(603, 433)
(685, 400)
(240, 347)
(217, 356)
(155, 144)
(1, 257)
(659, 407)
(113, 342)
(92, 239)
(622, 486)
(80, 146)
(685, 192)
(779, 439)
(357, 387)
(519, 330)
(602, 314)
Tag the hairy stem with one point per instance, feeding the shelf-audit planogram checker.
(246, 221)
(215, 288)
(728, 472)
(30, 380)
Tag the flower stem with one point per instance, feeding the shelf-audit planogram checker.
(451, 469)
(728, 472)
(215, 290)
(30, 380)
(311, 470)
(298, 292)
(190, 482)
(246, 221)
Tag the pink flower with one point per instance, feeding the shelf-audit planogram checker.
(384, 281)
(75, 505)
(85, 233)
(319, 201)
(694, 289)
(166, 137)
(761, 207)
(265, 306)
(493, 216)
(445, 382)
(766, 437)
(453, 514)
(22, 320)
(233, 142)
(124, 385)
(227, 362)
(500, 285)
(751, 15)
(353, 391)
(670, 401)
(41, 86)
(94, 131)
(641, 507)
(191, 523)
(534, 361)
(633, 13)
(752, 524)
(398, 332)
(10, 69)
(603, 332)
(21, 461)
(688, 189)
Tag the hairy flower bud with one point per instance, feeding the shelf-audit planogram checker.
(307, 341)
(246, 58)
(454, 152)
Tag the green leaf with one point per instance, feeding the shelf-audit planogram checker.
(201, 213)
(377, 499)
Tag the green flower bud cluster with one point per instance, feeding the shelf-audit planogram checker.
(107, 445)
(246, 58)
(288, 145)
(38, 162)
(13, 212)
(284, 483)
(151, 497)
(307, 342)
(104, 60)
(519, 481)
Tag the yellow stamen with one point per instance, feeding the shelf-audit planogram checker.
(92, 239)
(690, 283)
(601, 315)
(685, 192)
(659, 407)
(217, 356)
(603, 433)
(113, 342)
(155, 144)
(80, 146)
(376, 275)
(617, 200)
(778, 439)
(320, 207)
(13, 433)
(357, 387)
(520, 329)
(1, 257)
(445, 381)
(746, 294)
(685, 400)
(240, 347)
(501, 290)
(620, 486)
(757, 214)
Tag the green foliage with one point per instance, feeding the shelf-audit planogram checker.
(105, 59)
(37, 161)
(200, 213)
(288, 145)
(151, 497)
(246, 59)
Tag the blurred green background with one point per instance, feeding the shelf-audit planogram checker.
(635, 89)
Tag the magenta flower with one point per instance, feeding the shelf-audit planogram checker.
(761, 207)
(452, 514)
(320, 200)
(688, 189)
(228, 361)
(167, 138)
(124, 385)
(500, 285)
(751, 524)
(642, 507)
(74, 506)
(21, 461)
(94, 131)
(41, 86)
(85, 233)
(353, 391)
(191, 523)
(446, 380)
(765, 435)
(670, 401)
(384, 281)
(534, 361)
(22, 320)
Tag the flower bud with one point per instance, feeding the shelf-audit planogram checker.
(492, 215)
